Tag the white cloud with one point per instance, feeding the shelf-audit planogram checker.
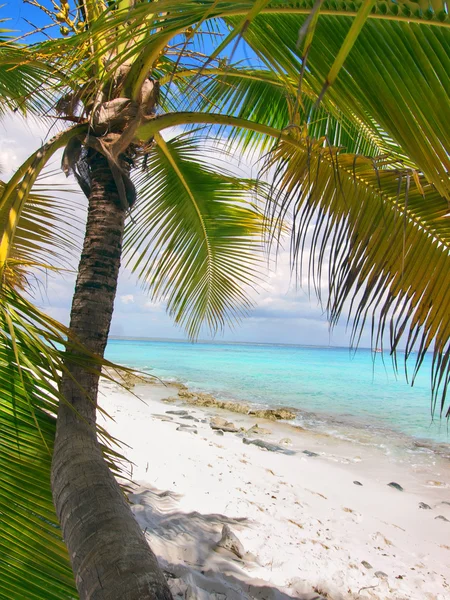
(127, 299)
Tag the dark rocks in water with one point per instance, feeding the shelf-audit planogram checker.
(396, 486)
(219, 432)
(309, 453)
(425, 506)
(381, 575)
(366, 564)
(229, 541)
(442, 518)
(223, 424)
(445, 502)
(267, 446)
(179, 413)
(357, 483)
(189, 418)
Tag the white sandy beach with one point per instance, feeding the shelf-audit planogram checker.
(306, 529)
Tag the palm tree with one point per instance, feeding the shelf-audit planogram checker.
(350, 103)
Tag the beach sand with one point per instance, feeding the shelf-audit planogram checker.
(304, 528)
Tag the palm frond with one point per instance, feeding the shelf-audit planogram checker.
(16, 234)
(394, 77)
(33, 559)
(194, 236)
(23, 80)
(384, 232)
(48, 233)
(263, 97)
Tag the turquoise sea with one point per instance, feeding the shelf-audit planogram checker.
(333, 389)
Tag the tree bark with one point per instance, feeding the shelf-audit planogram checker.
(110, 556)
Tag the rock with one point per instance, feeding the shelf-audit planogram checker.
(230, 542)
(267, 446)
(203, 397)
(442, 518)
(309, 453)
(445, 502)
(189, 418)
(229, 428)
(381, 575)
(129, 380)
(179, 413)
(274, 414)
(217, 422)
(164, 418)
(257, 430)
(186, 394)
(188, 428)
(286, 442)
(219, 432)
(423, 505)
(234, 407)
(180, 386)
(357, 483)
(396, 486)
(366, 564)
(207, 400)
(223, 424)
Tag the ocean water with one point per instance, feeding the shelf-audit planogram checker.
(333, 389)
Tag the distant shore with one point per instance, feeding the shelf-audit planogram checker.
(313, 514)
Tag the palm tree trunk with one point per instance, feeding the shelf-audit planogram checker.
(110, 557)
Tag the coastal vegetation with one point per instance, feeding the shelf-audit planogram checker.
(348, 105)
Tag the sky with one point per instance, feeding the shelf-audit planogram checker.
(282, 313)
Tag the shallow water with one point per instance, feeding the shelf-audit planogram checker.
(354, 396)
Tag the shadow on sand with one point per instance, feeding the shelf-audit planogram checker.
(186, 546)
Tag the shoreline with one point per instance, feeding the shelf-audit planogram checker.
(340, 427)
(329, 391)
(307, 529)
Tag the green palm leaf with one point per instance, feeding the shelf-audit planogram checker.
(33, 559)
(21, 80)
(34, 563)
(193, 238)
(47, 235)
(252, 94)
(265, 97)
(393, 79)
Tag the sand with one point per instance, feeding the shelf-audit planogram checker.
(304, 529)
